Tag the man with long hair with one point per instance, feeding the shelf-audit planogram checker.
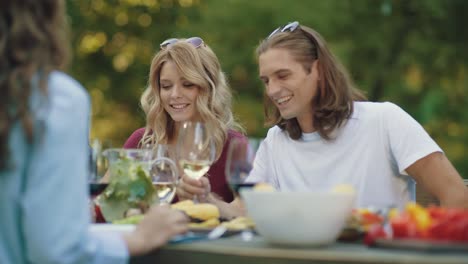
(324, 132)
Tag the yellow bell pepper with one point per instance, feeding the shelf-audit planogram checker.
(419, 215)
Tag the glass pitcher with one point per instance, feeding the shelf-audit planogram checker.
(131, 186)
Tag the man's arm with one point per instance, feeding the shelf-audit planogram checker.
(437, 175)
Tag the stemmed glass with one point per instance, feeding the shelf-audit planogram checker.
(164, 174)
(239, 163)
(98, 167)
(195, 150)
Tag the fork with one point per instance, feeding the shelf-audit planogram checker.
(217, 232)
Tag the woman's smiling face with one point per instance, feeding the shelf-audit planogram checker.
(178, 96)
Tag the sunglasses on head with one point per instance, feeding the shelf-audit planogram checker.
(289, 27)
(195, 41)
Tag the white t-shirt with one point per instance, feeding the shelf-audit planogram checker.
(370, 152)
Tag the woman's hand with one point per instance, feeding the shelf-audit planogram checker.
(158, 226)
(188, 188)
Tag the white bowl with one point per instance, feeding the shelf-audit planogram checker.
(299, 218)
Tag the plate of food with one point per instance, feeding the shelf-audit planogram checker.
(359, 223)
(419, 228)
(422, 245)
(204, 218)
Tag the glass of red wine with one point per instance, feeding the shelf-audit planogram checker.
(98, 167)
(239, 163)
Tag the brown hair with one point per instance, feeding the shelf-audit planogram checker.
(201, 67)
(32, 33)
(336, 92)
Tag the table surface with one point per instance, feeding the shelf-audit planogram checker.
(234, 250)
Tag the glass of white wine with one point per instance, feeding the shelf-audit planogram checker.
(164, 174)
(195, 150)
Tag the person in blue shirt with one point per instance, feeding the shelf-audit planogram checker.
(44, 117)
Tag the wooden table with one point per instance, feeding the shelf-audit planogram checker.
(233, 250)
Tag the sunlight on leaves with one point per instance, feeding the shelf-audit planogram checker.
(144, 20)
(92, 42)
(185, 3)
(121, 19)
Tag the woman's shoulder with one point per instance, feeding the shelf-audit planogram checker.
(235, 134)
(134, 139)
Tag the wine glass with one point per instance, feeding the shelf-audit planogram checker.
(239, 163)
(164, 174)
(98, 167)
(195, 150)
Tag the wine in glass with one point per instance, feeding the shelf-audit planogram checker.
(98, 167)
(239, 163)
(195, 149)
(164, 174)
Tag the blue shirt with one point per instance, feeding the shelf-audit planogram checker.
(44, 197)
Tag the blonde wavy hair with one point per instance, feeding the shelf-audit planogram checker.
(201, 67)
(336, 92)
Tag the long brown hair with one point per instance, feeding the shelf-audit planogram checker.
(32, 33)
(201, 67)
(336, 92)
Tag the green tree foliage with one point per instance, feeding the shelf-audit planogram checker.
(412, 53)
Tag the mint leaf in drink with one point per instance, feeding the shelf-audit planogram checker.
(130, 186)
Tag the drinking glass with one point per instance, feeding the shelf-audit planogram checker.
(164, 174)
(239, 163)
(98, 167)
(195, 150)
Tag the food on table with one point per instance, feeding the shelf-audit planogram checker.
(202, 215)
(343, 188)
(363, 219)
(432, 223)
(201, 211)
(239, 223)
(212, 222)
(359, 223)
(264, 187)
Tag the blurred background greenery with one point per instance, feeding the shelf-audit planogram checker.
(411, 52)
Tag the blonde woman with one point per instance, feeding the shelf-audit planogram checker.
(186, 83)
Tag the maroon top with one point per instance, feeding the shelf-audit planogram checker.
(217, 176)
